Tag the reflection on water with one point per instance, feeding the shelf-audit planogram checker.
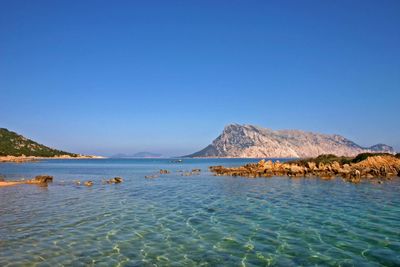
(192, 220)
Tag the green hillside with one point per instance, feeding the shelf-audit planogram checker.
(13, 144)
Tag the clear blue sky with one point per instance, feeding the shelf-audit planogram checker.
(166, 76)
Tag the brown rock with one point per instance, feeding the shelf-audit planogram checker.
(115, 180)
(261, 164)
(321, 166)
(311, 165)
(335, 167)
(296, 170)
(88, 183)
(43, 179)
(346, 167)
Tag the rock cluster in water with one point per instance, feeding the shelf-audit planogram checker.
(192, 172)
(325, 166)
(115, 180)
(183, 173)
(162, 171)
(41, 180)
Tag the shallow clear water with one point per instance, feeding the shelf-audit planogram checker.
(193, 220)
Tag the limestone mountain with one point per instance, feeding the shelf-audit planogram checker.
(248, 141)
(13, 144)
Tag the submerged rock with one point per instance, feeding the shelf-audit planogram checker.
(164, 171)
(151, 176)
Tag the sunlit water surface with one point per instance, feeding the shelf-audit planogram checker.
(193, 220)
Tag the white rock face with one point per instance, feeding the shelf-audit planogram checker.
(247, 141)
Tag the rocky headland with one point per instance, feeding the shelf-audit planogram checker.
(363, 166)
(18, 149)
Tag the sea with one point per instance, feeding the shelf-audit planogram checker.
(197, 220)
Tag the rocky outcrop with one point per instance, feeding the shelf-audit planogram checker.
(41, 180)
(115, 180)
(44, 179)
(17, 148)
(247, 141)
(375, 166)
(13, 144)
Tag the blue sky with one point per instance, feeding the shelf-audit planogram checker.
(105, 77)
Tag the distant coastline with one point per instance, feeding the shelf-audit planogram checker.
(22, 159)
(142, 155)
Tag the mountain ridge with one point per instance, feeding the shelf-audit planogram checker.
(249, 141)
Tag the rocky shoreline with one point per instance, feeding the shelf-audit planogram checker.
(42, 180)
(354, 170)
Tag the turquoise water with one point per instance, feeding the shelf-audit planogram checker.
(205, 220)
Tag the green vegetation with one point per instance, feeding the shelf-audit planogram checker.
(330, 158)
(363, 156)
(325, 159)
(13, 144)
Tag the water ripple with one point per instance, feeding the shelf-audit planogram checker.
(194, 220)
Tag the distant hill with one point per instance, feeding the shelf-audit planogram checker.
(247, 141)
(13, 144)
(138, 155)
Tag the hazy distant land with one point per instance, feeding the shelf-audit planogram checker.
(138, 155)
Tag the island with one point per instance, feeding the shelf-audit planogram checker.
(250, 141)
